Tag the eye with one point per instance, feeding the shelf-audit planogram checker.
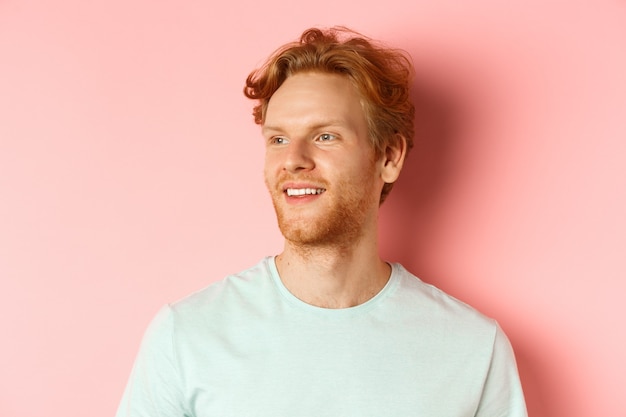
(326, 137)
(278, 140)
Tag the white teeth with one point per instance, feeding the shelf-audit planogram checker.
(304, 191)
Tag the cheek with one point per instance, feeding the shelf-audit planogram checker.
(272, 160)
(368, 175)
(268, 167)
(270, 173)
(268, 179)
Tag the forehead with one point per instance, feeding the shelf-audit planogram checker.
(314, 98)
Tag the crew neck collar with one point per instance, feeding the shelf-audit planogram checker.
(336, 312)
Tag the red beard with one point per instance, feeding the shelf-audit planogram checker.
(336, 219)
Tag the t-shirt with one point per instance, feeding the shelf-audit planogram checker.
(245, 346)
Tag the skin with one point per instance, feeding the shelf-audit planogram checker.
(316, 138)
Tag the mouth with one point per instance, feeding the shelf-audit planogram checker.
(292, 192)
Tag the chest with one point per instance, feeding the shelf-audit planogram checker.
(317, 370)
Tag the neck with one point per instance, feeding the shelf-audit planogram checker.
(334, 275)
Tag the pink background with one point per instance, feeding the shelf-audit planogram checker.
(130, 175)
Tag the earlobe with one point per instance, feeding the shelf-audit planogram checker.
(394, 159)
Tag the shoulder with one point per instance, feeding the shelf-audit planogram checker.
(431, 304)
(236, 291)
(213, 310)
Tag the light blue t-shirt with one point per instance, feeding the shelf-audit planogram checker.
(245, 346)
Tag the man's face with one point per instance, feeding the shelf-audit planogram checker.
(320, 167)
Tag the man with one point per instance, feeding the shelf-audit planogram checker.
(326, 328)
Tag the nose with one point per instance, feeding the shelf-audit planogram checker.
(298, 156)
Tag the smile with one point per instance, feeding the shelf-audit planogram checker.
(304, 191)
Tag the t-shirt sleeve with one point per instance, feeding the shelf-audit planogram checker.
(502, 393)
(155, 387)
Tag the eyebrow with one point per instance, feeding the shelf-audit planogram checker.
(312, 126)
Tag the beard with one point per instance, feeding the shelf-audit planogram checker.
(338, 219)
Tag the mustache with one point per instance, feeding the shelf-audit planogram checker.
(286, 178)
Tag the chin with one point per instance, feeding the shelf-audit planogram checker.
(300, 231)
(319, 233)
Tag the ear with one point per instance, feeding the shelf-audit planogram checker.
(393, 159)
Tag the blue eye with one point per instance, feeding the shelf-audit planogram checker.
(325, 137)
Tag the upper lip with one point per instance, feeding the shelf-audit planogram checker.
(298, 186)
